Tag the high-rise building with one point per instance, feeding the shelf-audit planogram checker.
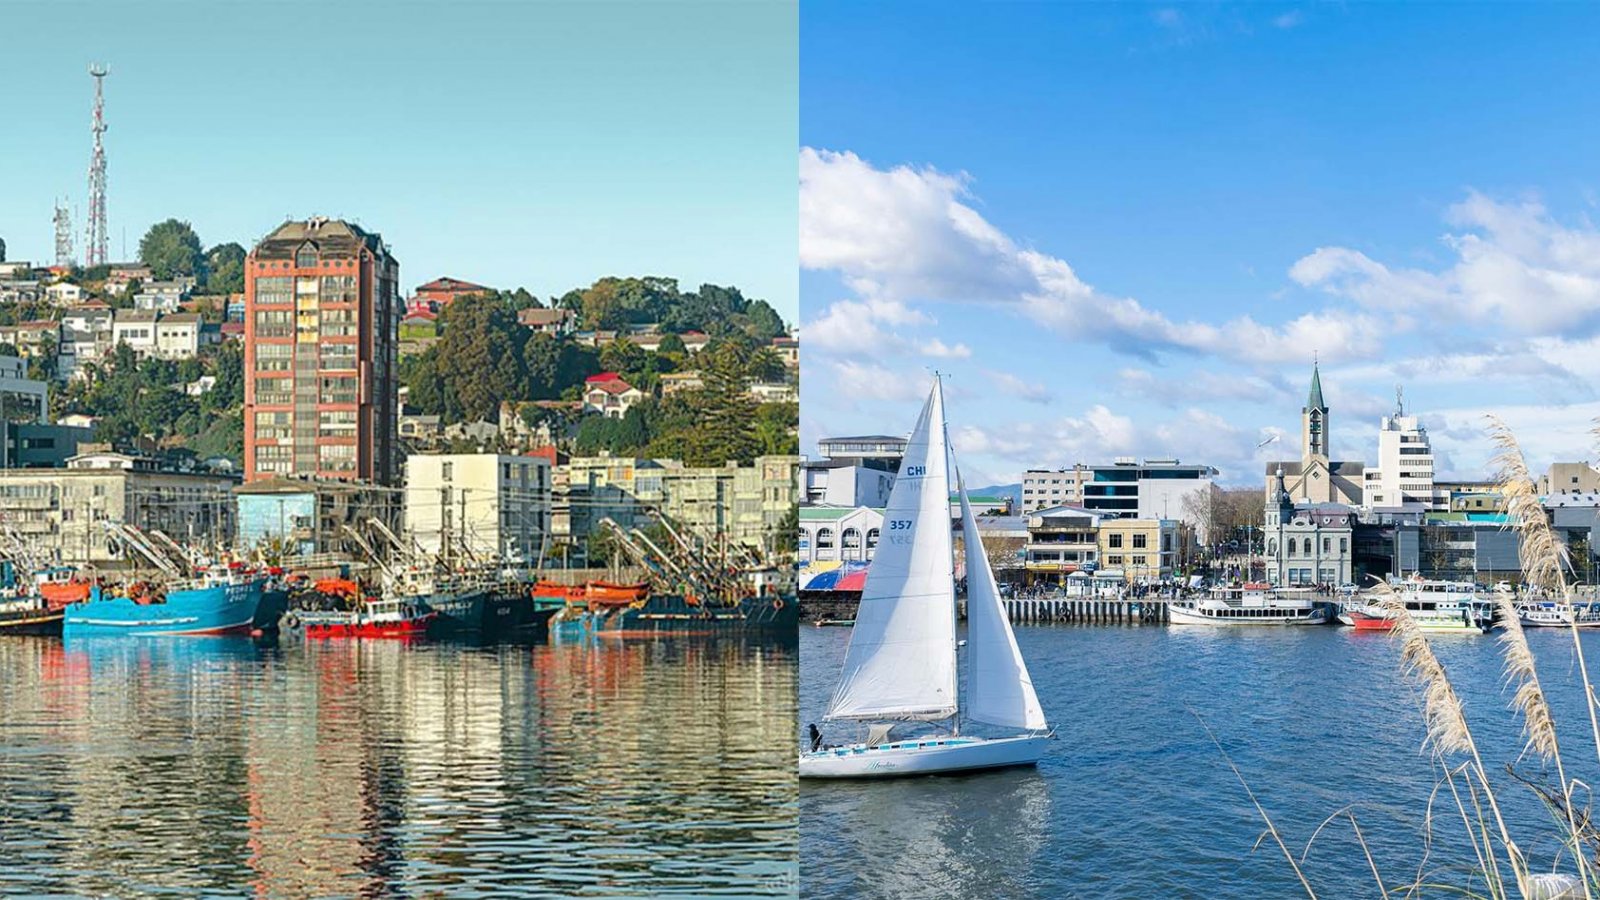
(322, 322)
(1404, 476)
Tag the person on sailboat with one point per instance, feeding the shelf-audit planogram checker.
(816, 737)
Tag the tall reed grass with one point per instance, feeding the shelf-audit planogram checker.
(1502, 868)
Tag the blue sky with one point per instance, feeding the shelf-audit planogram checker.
(1126, 230)
(534, 144)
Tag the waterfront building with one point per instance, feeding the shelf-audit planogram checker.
(62, 513)
(1143, 550)
(872, 450)
(1456, 547)
(1404, 474)
(306, 516)
(1061, 540)
(1316, 477)
(1308, 542)
(490, 504)
(830, 482)
(1048, 488)
(839, 534)
(322, 317)
(608, 395)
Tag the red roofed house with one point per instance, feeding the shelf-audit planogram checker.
(609, 395)
(695, 341)
(440, 292)
(420, 322)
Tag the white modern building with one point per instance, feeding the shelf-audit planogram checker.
(1404, 474)
(490, 504)
(842, 483)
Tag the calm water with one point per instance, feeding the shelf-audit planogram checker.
(1134, 800)
(209, 767)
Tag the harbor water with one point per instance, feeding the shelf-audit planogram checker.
(209, 767)
(1134, 800)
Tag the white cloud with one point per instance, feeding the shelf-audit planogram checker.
(1288, 20)
(906, 234)
(938, 349)
(869, 381)
(1515, 268)
(854, 327)
(1011, 385)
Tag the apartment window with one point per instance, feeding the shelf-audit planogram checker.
(337, 457)
(1327, 545)
(338, 356)
(1114, 560)
(274, 357)
(825, 539)
(274, 425)
(306, 256)
(851, 543)
(1139, 560)
(872, 540)
(339, 389)
(1140, 541)
(274, 391)
(1115, 542)
(274, 289)
(337, 422)
(446, 470)
(274, 323)
(271, 458)
(338, 289)
(339, 322)
(1344, 545)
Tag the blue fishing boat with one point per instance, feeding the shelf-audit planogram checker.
(223, 602)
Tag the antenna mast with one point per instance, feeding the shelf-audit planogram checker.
(95, 252)
(63, 236)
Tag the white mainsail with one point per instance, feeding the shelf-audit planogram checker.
(901, 662)
(999, 690)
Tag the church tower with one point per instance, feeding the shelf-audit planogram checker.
(1314, 422)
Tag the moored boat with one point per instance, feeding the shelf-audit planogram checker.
(1254, 603)
(1436, 606)
(386, 619)
(222, 601)
(1553, 614)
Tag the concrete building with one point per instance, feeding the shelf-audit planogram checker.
(1404, 474)
(1316, 477)
(1480, 550)
(304, 516)
(178, 336)
(163, 296)
(322, 319)
(1143, 550)
(844, 534)
(1570, 478)
(880, 450)
(22, 399)
(841, 483)
(136, 328)
(63, 293)
(62, 512)
(1048, 488)
(1061, 540)
(492, 504)
(1308, 543)
(1152, 489)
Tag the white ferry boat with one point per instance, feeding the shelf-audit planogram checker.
(1255, 603)
(1434, 605)
(1553, 614)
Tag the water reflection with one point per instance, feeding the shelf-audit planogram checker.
(368, 769)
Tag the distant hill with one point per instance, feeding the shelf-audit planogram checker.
(1014, 491)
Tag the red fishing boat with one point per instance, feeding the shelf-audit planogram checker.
(1362, 620)
(395, 619)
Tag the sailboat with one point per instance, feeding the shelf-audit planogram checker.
(902, 663)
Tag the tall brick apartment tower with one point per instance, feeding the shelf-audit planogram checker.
(321, 336)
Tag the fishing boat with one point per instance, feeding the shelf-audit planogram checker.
(1254, 603)
(221, 600)
(389, 619)
(1436, 606)
(26, 607)
(1553, 614)
(902, 666)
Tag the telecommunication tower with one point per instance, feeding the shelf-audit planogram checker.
(95, 252)
(63, 236)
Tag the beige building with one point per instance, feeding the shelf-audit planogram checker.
(62, 513)
(490, 503)
(749, 504)
(1061, 540)
(1570, 478)
(1142, 549)
(1046, 488)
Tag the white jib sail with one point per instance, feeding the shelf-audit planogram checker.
(901, 662)
(999, 690)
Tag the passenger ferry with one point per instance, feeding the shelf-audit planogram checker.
(1434, 605)
(1551, 614)
(1255, 603)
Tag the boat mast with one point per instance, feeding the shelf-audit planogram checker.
(955, 605)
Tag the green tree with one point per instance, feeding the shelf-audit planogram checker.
(775, 428)
(171, 249)
(765, 323)
(479, 359)
(224, 269)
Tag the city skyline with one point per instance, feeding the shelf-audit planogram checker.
(1145, 258)
(542, 147)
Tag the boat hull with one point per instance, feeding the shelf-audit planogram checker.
(673, 613)
(1178, 615)
(404, 629)
(37, 621)
(930, 756)
(213, 609)
(490, 614)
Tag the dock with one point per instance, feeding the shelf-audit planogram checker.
(1088, 610)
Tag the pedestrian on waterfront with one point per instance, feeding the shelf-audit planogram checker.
(816, 737)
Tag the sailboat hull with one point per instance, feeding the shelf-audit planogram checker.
(930, 756)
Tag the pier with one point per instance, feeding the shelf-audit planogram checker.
(1088, 610)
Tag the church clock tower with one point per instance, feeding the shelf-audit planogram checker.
(1314, 422)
